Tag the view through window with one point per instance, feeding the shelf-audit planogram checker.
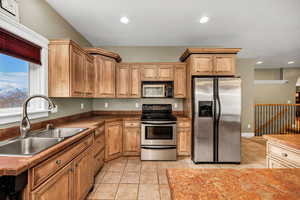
(14, 81)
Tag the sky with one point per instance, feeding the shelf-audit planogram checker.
(13, 73)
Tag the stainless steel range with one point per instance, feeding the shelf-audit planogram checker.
(158, 134)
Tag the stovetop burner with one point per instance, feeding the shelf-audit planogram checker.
(157, 112)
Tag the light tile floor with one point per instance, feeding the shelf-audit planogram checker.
(131, 179)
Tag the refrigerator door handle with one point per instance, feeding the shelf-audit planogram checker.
(219, 109)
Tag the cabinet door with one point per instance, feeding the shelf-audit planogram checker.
(224, 64)
(183, 141)
(149, 72)
(113, 140)
(90, 78)
(180, 81)
(83, 174)
(105, 69)
(78, 72)
(166, 72)
(202, 65)
(135, 81)
(131, 141)
(123, 80)
(59, 186)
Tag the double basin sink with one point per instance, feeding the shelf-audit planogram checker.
(37, 142)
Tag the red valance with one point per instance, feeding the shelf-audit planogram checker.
(16, 46)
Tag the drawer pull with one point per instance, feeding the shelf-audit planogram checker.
(58, 162)
(284, 154)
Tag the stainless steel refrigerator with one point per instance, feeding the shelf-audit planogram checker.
(216, 120)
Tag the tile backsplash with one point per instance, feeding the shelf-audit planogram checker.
(133, 104)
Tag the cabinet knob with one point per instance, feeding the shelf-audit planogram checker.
(284, 154)
(58, 162)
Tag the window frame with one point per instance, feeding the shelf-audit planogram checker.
(39, 85)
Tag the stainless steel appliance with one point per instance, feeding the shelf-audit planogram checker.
(158, 134)
(157, 89)
(216, 120)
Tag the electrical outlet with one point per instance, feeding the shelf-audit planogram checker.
(289, 101)
(249, 126)
(175, 105)
(82, 106)
(106, 105)
(136, 104)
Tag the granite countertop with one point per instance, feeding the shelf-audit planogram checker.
(240, 184)
(291, 140)
(12, 165)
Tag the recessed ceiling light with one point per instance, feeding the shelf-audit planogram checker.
(204, 19)
(124, 20)
(259, 62)
(291, 62)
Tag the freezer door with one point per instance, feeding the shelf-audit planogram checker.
(203, 143)
(229, 120)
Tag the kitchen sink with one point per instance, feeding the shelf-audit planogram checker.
(27, 146)
(59, 132)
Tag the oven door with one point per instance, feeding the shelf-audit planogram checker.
(154, 90)
(158, 133)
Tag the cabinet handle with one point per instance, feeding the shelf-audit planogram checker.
(76, 165)
(284, 154)
(71, 170)
(58, 162)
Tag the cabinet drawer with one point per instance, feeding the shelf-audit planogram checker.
(99, 161)
(99, 131)
(273, 163)
(99, 144)
(283, 153)
(185, 124)
(47, 168)
(131, 124)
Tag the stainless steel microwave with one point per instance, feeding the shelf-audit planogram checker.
(157, 89)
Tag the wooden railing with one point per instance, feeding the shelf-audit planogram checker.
(277, 119)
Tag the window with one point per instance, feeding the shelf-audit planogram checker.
(14, 80)
(23, 70)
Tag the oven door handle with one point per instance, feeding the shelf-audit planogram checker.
(158, 147)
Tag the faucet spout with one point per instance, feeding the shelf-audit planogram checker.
(25, 125)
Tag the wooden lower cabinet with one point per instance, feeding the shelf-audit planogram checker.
(184, 138)
(60, 186)
(83, 174)
(184, 141)
(131, 141)
(71, 177)
(113, 140)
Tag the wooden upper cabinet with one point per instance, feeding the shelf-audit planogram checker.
(69, 70)
(202, 65)
(90, 77)
(224, 64)
(78, 71)
(128, 81)
(113, 140)
(83, 174)
(180, 81)
(165, 72)
(105, 76)
(149, 72)
(49, 190)
(135, 81)
(123, 80)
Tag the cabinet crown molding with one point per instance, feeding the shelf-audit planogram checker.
(103, 52)
(190, 51)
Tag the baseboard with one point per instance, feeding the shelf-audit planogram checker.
(248, 134)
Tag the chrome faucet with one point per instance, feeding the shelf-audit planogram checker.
(25, 123)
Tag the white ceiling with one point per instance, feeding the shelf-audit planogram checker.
(267, 30)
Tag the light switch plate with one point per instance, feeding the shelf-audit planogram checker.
(82, 106)
(106, 105)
